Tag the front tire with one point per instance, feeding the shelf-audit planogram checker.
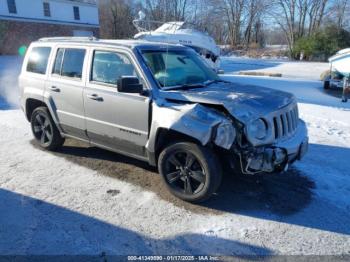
(190, 171)
(44, 130)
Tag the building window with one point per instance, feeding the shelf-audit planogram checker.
(47, 11)
(11, 4)
(76, 12)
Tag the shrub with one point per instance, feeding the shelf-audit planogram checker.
(322, 44)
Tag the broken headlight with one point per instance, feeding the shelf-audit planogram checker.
(225, 135)
(258, 129)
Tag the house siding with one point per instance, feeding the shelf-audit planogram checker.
(60, 11)
(30, 22)
(14, 34)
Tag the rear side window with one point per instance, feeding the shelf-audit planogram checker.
(38, 59)
(69, 62)
(58, 62)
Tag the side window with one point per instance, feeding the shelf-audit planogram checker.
(38, 59)
(108, 67)
(58, 62)
(69, 62)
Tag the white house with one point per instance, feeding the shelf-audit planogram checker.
(23, 21)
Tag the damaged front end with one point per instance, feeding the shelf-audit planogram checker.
(263, 160)
(285, 141)
(266, 144)
(273, 158)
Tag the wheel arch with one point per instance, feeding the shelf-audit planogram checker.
(165, 137)
(183, 122)
(31, 105)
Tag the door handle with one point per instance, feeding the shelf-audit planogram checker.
(95, 97)
(54, 89)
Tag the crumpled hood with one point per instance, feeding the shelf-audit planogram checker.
(244, 102)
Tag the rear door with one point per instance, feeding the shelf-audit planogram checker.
(114, 120)
(65, 89)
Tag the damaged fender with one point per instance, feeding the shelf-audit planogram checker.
(192, 119)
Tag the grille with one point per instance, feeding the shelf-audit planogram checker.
(286, 123)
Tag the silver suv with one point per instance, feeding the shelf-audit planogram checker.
(158, 103)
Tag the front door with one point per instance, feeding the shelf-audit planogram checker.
(114, 120)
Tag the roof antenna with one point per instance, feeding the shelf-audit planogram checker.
(167, 46)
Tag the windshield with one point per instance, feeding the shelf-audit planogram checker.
(178, 68)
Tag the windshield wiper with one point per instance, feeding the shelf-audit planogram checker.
(197, 85)
(210, 82)
(185, 86)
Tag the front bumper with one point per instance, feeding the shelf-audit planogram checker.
(276, 157)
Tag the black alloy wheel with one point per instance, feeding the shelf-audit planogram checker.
(184, 172)
(191, 172)
(44, 129)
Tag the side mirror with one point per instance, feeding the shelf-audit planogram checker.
(129, 84)
(221, 72)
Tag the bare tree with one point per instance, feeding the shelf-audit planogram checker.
(233, 10)
(116, 19)
(167, 10)
(299, 17)
(207, 17)
(339, 13)
(317, 10)
(255, 10)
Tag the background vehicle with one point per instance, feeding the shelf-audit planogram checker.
(333, 80)
(339, 68)
(339, 73)
(159, 103)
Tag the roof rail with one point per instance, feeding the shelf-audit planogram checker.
(69, 38)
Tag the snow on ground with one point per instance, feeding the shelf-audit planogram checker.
(288, 69)
(84, 200)
(307, 91)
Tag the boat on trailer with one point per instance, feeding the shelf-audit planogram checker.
(340, 72)
(179, 33)
(339, 68)
(340, 62)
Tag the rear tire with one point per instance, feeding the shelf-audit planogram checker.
(44, 129)
(326, 84)
(190, 171)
